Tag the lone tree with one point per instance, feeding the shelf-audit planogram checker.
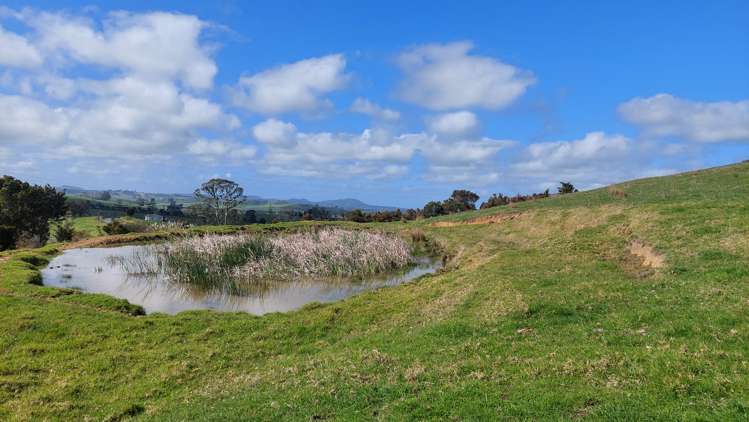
(220, 197)
(25, 211)
(566, 187)
(461, 200)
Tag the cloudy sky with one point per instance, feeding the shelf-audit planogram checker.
(394, 103)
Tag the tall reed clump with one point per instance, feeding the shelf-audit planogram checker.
(325, 253)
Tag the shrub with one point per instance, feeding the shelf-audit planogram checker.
(433, 209)
(495, 200)
(115, 227)
(7, 237)
(64, 231)
(565, 188)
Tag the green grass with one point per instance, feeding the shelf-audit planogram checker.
(545, 315)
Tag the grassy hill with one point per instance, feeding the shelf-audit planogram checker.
(629, 302)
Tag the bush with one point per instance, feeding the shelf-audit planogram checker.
(433, 209)
(7, 237)
(565, 188)
(64, 231)
(125, 226)
(115, 227)
(495, 200)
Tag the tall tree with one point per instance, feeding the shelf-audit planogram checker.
(465, 198)
(25, 210)
(220, 196)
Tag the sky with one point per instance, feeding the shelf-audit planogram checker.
(391, 102)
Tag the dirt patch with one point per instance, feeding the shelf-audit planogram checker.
(489, 219)
(121, 239)
(650, 258)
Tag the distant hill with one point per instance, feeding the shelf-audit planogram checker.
(352, 204)
(251, 201)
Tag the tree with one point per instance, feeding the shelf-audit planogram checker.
(250, 217)
(565, 188)
(78, 207)
(65, 230)
(25, 210)
(466, 198)
(357, 215)
(495, 200)
(220, 196)
(174, 209)
(433, 209)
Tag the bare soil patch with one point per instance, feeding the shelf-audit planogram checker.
(650, 258)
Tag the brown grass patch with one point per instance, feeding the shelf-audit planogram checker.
(617, 192)
(650, 258)
(489, 219)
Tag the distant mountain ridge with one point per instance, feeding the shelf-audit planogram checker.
(346, 204)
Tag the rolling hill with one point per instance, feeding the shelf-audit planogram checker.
(623, 303)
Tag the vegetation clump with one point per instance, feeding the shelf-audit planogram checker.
(25, 212)
(214, 259)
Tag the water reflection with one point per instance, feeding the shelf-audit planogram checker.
(101, 270)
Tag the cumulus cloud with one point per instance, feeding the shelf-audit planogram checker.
(298, 86)
(151, 45)
(664, 115)
(221, 150)
(596, 159)
(16, 51)
(147, 106)
(373, 153)
(364, 106)
(274, 132)
(26, 120)
(446, 76)
(455, 123)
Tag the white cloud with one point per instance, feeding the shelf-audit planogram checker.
(16, 51)
(298, 86)
(151, 45)
(595, 160)
(373, 153)
(135, 117)
(664, 115)
(29, 121)
(445, 76)
(221, 150)
(273, 131)
(143, 109)
(364, 106)
(456, 123)
(462, 152)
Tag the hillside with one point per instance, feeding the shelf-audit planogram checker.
(628, 302)
(131, 198)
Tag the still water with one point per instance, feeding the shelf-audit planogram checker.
(99, 270)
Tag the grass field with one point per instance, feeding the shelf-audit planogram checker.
(624, 303)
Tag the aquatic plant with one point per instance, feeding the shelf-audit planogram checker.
(216, 259)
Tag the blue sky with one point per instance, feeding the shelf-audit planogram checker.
(393, 103)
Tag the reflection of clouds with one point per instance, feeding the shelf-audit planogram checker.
(104, 270)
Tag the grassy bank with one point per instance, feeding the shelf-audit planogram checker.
(626, 303)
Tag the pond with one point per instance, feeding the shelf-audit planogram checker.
(100, 270)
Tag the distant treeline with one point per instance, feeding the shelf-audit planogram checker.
(460, 201)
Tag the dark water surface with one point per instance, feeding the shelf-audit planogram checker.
(99, 270)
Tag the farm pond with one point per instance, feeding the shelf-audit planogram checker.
(101, 270)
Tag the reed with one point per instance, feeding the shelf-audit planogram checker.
(214, 260)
